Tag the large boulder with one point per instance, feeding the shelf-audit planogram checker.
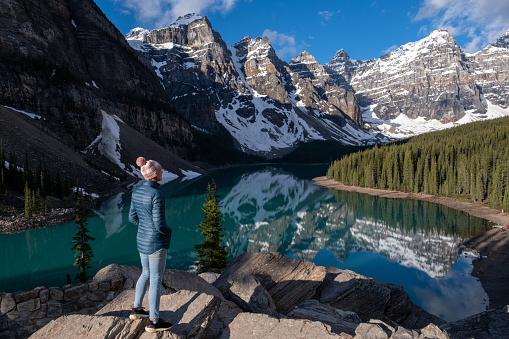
(247, 292)
(190, 312)
(121, 276)
(178, 280)
(173, 281)
(288, 281)
(341, 322)
(86, 326)
(371, 299)
(380, 330)
(255, 326)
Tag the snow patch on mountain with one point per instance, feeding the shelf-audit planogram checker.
(136, 33)
(108, 141)
(186, 20)
(109, 144)
(404, 127)
(256, 133)
(30, 115)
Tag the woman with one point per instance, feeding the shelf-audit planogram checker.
(153, 240)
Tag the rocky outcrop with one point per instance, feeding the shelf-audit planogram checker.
(247, 292)
(369, 298)
(339, 321)
(194, 310)
(490, 324)
(288, 281)
(291, 282)
(318, 90)
(193, 64)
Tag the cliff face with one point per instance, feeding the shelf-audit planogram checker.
(490, 69)
(321, 91)
(429, 78)
(64, 61)
(267, 105)
(427, 85)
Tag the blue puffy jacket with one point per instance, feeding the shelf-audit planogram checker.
(147, 212)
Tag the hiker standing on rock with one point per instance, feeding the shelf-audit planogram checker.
(153, 240)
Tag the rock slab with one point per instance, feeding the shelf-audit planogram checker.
(288, 281)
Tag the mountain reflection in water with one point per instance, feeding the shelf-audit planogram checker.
(279, 209)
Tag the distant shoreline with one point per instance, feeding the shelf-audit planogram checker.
(472, 208)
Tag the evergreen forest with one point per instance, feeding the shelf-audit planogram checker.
(34, 183)
(470, 161)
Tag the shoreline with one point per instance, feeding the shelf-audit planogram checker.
(492, 268)
(475, 209)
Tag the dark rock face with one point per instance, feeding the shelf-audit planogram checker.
(64, 61)
(490, 324)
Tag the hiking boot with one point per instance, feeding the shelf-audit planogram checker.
(138, 313)
(160, 325)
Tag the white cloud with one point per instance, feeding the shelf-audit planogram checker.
(481, 21)
(162, 13)
(326, 14)
(278, 39)
(282, 43)
(390, 49)
(290, 51)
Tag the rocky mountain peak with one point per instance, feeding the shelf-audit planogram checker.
(503, 41)
(186, 20)
(340, 56)
(306, 66)
(191, 30)
(303, 57)
(341, 68)
(136, 33)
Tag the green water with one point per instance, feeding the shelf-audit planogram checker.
(277, 209)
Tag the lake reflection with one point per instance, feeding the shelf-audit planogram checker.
(279, 209)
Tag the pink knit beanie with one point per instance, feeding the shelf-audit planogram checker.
(150, 169)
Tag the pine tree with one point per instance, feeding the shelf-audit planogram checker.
(28, 202)
(212, 256)
(82, 249)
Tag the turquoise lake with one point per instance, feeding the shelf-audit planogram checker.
(278, 208)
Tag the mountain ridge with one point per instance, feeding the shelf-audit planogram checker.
(421, 86)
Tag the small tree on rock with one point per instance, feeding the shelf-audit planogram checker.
(212, 256)
(82, 249)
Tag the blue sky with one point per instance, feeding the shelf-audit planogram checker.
(364, 29)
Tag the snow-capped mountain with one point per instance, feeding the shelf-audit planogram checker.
(427, 85)
(269, 106)
(265, 104)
